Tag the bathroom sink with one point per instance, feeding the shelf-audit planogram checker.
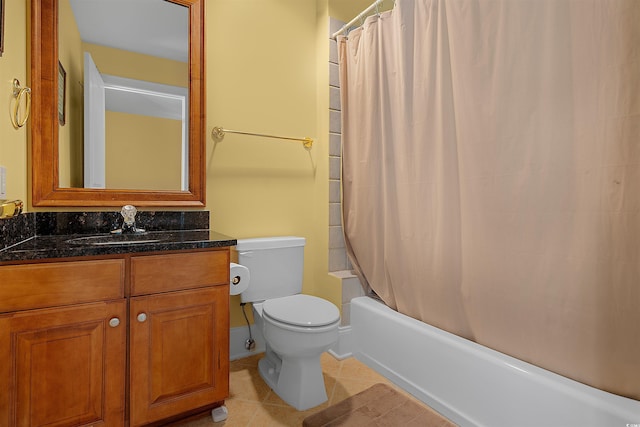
(114, 239)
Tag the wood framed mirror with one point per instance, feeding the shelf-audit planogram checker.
(46, 188)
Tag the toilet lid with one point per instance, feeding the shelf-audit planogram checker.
(301, 310)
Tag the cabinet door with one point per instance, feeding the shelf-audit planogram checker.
(179, 352)
(64, 366)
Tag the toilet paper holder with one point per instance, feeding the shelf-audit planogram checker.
(239, 278)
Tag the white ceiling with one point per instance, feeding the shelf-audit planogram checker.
(153, 27)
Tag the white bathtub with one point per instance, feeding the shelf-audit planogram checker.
(473, 385)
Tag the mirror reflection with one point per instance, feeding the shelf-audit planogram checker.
(123, 106)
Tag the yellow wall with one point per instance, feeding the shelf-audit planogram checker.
(266, 72)
(346, 10)
(13, 64)
(132, 65)
(261, 77)
(147, 150)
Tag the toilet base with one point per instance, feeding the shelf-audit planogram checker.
(299, 382)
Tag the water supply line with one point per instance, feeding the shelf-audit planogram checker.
(250, 343)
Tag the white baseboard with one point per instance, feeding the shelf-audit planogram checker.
(237, 338)
(344, 347)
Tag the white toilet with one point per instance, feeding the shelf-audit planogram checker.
(297, 328)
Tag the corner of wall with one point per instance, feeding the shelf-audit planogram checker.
(339, 265)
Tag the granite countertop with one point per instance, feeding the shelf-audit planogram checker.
(64, 235)
(65, 246)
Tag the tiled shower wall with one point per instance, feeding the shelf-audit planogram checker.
(339, 265)
(337, 253)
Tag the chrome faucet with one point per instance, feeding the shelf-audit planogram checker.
(128, 213)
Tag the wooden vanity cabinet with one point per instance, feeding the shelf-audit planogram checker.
(62, 350)
(68, 365)
(133, 340)
(179, 334)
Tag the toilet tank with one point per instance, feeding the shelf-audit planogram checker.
(275, 265)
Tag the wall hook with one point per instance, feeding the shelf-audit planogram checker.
(18, 93)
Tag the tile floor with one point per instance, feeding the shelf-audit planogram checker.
(252, 403)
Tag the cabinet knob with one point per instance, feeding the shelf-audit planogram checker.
(142, 317)
(113, 322)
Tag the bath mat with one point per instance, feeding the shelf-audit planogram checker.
(379, 405)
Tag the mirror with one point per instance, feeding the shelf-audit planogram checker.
(130, 154)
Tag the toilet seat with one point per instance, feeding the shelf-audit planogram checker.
(303, 311)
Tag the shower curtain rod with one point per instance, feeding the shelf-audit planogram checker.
(360, 16)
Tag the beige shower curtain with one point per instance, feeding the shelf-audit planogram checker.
(491, 175)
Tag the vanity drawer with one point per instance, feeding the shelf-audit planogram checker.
(29, 286)
(172, 272)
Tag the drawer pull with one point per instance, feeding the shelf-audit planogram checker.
(142, 317)
(114, 322)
